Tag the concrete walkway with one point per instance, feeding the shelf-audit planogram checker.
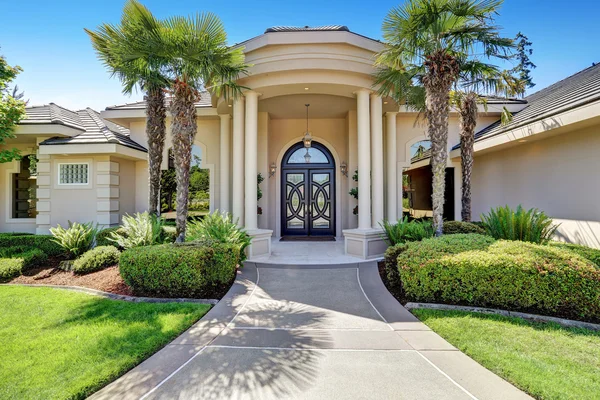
(309, 332)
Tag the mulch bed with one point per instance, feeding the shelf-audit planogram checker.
(108, 280)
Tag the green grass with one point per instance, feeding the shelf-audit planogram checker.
(546, 360)
(57, 344)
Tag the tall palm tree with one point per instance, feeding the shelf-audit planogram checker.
(478, 81)
(193, 53)
(426, 41)
(117, 47)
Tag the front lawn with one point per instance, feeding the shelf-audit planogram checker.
(58, 344)
(545, 360)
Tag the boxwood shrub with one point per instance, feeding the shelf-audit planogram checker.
(474, 270)
(178, 270)
(10, 268)
(30, 256)
(45, 243)
(586, 252)
(454, 227)
(96, 259)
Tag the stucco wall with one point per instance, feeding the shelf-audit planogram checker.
(73, 202)
(127, 185)
(558, 175)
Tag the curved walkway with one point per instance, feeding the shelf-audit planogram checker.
(309, 332)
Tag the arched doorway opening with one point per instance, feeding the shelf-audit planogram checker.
(308, 192)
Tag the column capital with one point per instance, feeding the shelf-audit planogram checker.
(391, 113)
(362, 90)
(251, 93)
(375, 95)
(225, 116)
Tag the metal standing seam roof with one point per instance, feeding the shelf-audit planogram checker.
(94, 129)
(205, 101)
(574, 91)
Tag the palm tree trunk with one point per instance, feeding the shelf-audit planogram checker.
(468, 122)
(441, 72)
(156, 114)
(183, 129)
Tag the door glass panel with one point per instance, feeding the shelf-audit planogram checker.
(320, 178)
(316, 156)
(295, 223)
(295, 201)
(320, 223)
(320, 200)
(295, 178)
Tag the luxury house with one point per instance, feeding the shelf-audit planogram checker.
(91, 166)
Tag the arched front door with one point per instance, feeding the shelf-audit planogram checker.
(308, 191)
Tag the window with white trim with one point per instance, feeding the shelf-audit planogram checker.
(73, 174)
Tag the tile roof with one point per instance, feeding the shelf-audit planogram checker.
(323, 28)
(205, 101)
(571, 92)
(94, 129)
(52, 114)
(307, 28)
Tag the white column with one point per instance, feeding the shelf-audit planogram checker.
(392, 167)
(251, 158)
(238, 161)
(364, 159)
(376, 160)
(224, 162)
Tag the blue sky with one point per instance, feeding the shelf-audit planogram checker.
(47, 40)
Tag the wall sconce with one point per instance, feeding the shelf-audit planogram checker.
(272, 170)
(344, 168)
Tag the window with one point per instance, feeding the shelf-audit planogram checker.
(24, 186)
(73, 174)
(316, 156)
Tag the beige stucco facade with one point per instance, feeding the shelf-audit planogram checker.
(331, 71)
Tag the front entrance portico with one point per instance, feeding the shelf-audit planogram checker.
(309, 199)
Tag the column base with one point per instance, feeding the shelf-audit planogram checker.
(364, 243)
(261, 243)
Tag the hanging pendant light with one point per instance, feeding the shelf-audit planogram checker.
(307, 136)
(307, 157)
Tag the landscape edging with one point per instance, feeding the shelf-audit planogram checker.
(569, 323)
(114, 296)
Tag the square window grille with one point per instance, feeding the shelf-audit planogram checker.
(73, 174)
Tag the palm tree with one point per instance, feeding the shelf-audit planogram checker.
(477, 81)
(118, 48)
(193, 53)
(426, 42)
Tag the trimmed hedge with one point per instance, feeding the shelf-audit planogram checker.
(96, 259)
(454, 227)
(30, 256)
(45, 243)
(586, 252)
(474, 270)
(10, 268)
(178, 270)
